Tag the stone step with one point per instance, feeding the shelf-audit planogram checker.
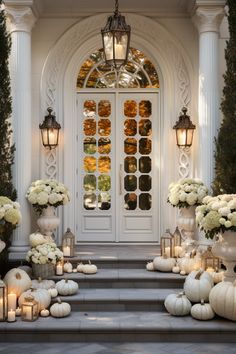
(118, 299)
(119, 327)
(126, 278)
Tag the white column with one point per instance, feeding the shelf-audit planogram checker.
(21, 20)
(207, 20)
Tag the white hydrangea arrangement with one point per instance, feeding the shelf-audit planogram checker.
(45, 253)
(9, 212)
(47, 192)
(186, 192)
(217, 214)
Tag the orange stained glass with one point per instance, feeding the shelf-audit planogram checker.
(104, 108)
(145, 108)
(130, 108)
(104, 145)
(130, 127)
(130, 146)
(145, 127)
(104, 164)
(104, 127)
(89, 164)
(89, 127)
(89, 108)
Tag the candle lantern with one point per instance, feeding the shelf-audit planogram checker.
(167, 244)
(209, 262)
(59, 268)
(29, 309)
(3, 301)
(68, 244)
(177, 238)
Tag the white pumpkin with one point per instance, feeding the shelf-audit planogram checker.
(67, 287)
(198, 285)
(80, 267)
(27, 269)
(222, 299)
(36, 239)
(43, 284)
(90, 268)
(202, 311)
(75, 270)
(44, 313)
(178, 304)
(53, 292)
(176, 269)
(17, 281)
(182, 272)
(40, 295)
(188, 263)
(68, 267)
(150, 266)
(164, 264)
(60, 309)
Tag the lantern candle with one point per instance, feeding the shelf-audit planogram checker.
(11, 316)
(59, 268)
(210, 270)
(11, 298)
(178, 250)
(66, 251)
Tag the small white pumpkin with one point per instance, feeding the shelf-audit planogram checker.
(164, 264)
(222, 299)
(60, 309)
(178, 304)
(90, 268)
(202, 311)
(189, 263)
(44, 313)
(27, 269)
(198, 285)
(17, 281)
(176, 269)
(68, 267)
(36, 239)
(67, 287)
(53, 292)
(43, 284)
(80, 267)
(182, 272)
(40, 295)
(75, 270)
(150, 266)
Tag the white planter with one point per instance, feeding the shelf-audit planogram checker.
(187, 223)
(48, 221)
(225, 249)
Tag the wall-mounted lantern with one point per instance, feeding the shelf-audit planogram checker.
(184, 130)
(50, 130)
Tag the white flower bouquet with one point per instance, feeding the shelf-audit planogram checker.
(45, 253)
(9, 212)
(186, 192)
(217, 214)
(48, 192)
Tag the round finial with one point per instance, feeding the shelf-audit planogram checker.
(49, 109)
(184, 110)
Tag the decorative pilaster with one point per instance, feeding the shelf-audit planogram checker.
(207, 19)
(21, 21)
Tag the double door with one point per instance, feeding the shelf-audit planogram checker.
(118, 159)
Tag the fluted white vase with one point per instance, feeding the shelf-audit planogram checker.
(225, 248)
(187, 226)
(48, 221)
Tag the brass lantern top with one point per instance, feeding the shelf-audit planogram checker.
(68, 234)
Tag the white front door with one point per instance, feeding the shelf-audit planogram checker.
(118, 159)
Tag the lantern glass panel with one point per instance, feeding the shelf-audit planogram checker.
(68, 244)
(177, 237)
(29, 310)
(167, 245)
(3, 301)
(209, 261)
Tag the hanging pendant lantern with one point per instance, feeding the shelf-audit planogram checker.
(116, 39)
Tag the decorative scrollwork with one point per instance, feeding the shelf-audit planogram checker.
(51, 164)
(184, 163)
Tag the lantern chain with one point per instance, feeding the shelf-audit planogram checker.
(116, 7)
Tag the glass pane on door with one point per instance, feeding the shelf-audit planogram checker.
(137, 146)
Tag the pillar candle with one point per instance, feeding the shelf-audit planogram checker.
(11, 299)
(59, 269)
(11, 316)
(66, 251)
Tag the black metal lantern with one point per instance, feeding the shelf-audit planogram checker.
(116, 39)
(184, 130)
(50, 130)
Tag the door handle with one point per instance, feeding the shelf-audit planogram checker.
(120, 178)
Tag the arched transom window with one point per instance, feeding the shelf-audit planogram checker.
(139, 72)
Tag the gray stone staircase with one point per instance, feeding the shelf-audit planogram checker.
(122, 302)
